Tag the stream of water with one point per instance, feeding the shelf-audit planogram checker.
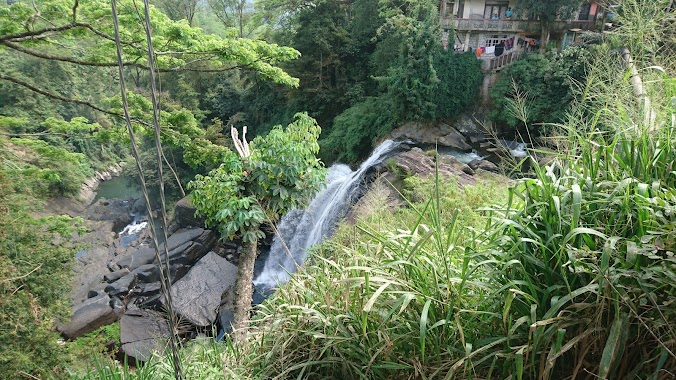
(123, 187)
(300, 229)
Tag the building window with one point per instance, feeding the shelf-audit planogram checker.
(585, 10)
(495, 40)
(496, 10)
(448, 8)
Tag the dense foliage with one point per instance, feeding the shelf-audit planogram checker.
(356, 55)
(257, 185)
(415, 78)
(282, 173)
(58, 73)
(540, 89)
(34, 279)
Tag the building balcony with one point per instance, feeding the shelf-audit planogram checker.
(513, 26)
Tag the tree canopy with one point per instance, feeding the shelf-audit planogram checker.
(81, 33)
(547, 11)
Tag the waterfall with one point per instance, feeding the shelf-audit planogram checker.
(300, 229)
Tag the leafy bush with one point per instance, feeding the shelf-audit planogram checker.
(356, 128)
(549, 84)
(61, 171)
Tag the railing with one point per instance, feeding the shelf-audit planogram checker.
(498, 63)
(502, 25)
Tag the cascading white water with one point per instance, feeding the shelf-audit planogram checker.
(301, 229)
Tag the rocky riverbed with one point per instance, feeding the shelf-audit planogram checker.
(117, 279)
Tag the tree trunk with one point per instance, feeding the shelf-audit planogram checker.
(244, 289)
(544, 38)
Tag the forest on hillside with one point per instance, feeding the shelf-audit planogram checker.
(563, 271)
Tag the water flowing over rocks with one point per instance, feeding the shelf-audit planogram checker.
(118, 281)
(417, 162)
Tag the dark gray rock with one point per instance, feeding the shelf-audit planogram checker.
(147, 273)
(152, 302)
(118, 306)
(121, 287)
(114, 276)
(484, 165)
(226, 311)
(197, 296)
(185, 247)
(184, 214)
(183, 236)
(471, 127)
(190, 254)
(142, 332)
(451, 138)
(89, 316)
(474, 164)
(149, 289)
(116, 210)
(177, 252)
(208, 239)
(178, 271)
(441, 134)
(139, 207)
(134, 260)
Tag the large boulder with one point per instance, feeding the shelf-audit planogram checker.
(139, 207)
(136, 259)
(116, 210)
(484, 165)
(197, 295)
(433, 134)
(471, 127)
(184, 214)
(415, 161)
(143, 332)
(89, 316)
(185, 247)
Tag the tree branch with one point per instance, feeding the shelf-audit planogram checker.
(32, 33)
(61, 58)
(57, 96)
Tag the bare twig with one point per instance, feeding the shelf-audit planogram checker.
(22, 276)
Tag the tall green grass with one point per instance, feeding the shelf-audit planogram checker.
(571, 278)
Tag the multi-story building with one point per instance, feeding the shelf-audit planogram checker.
(487, 23)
